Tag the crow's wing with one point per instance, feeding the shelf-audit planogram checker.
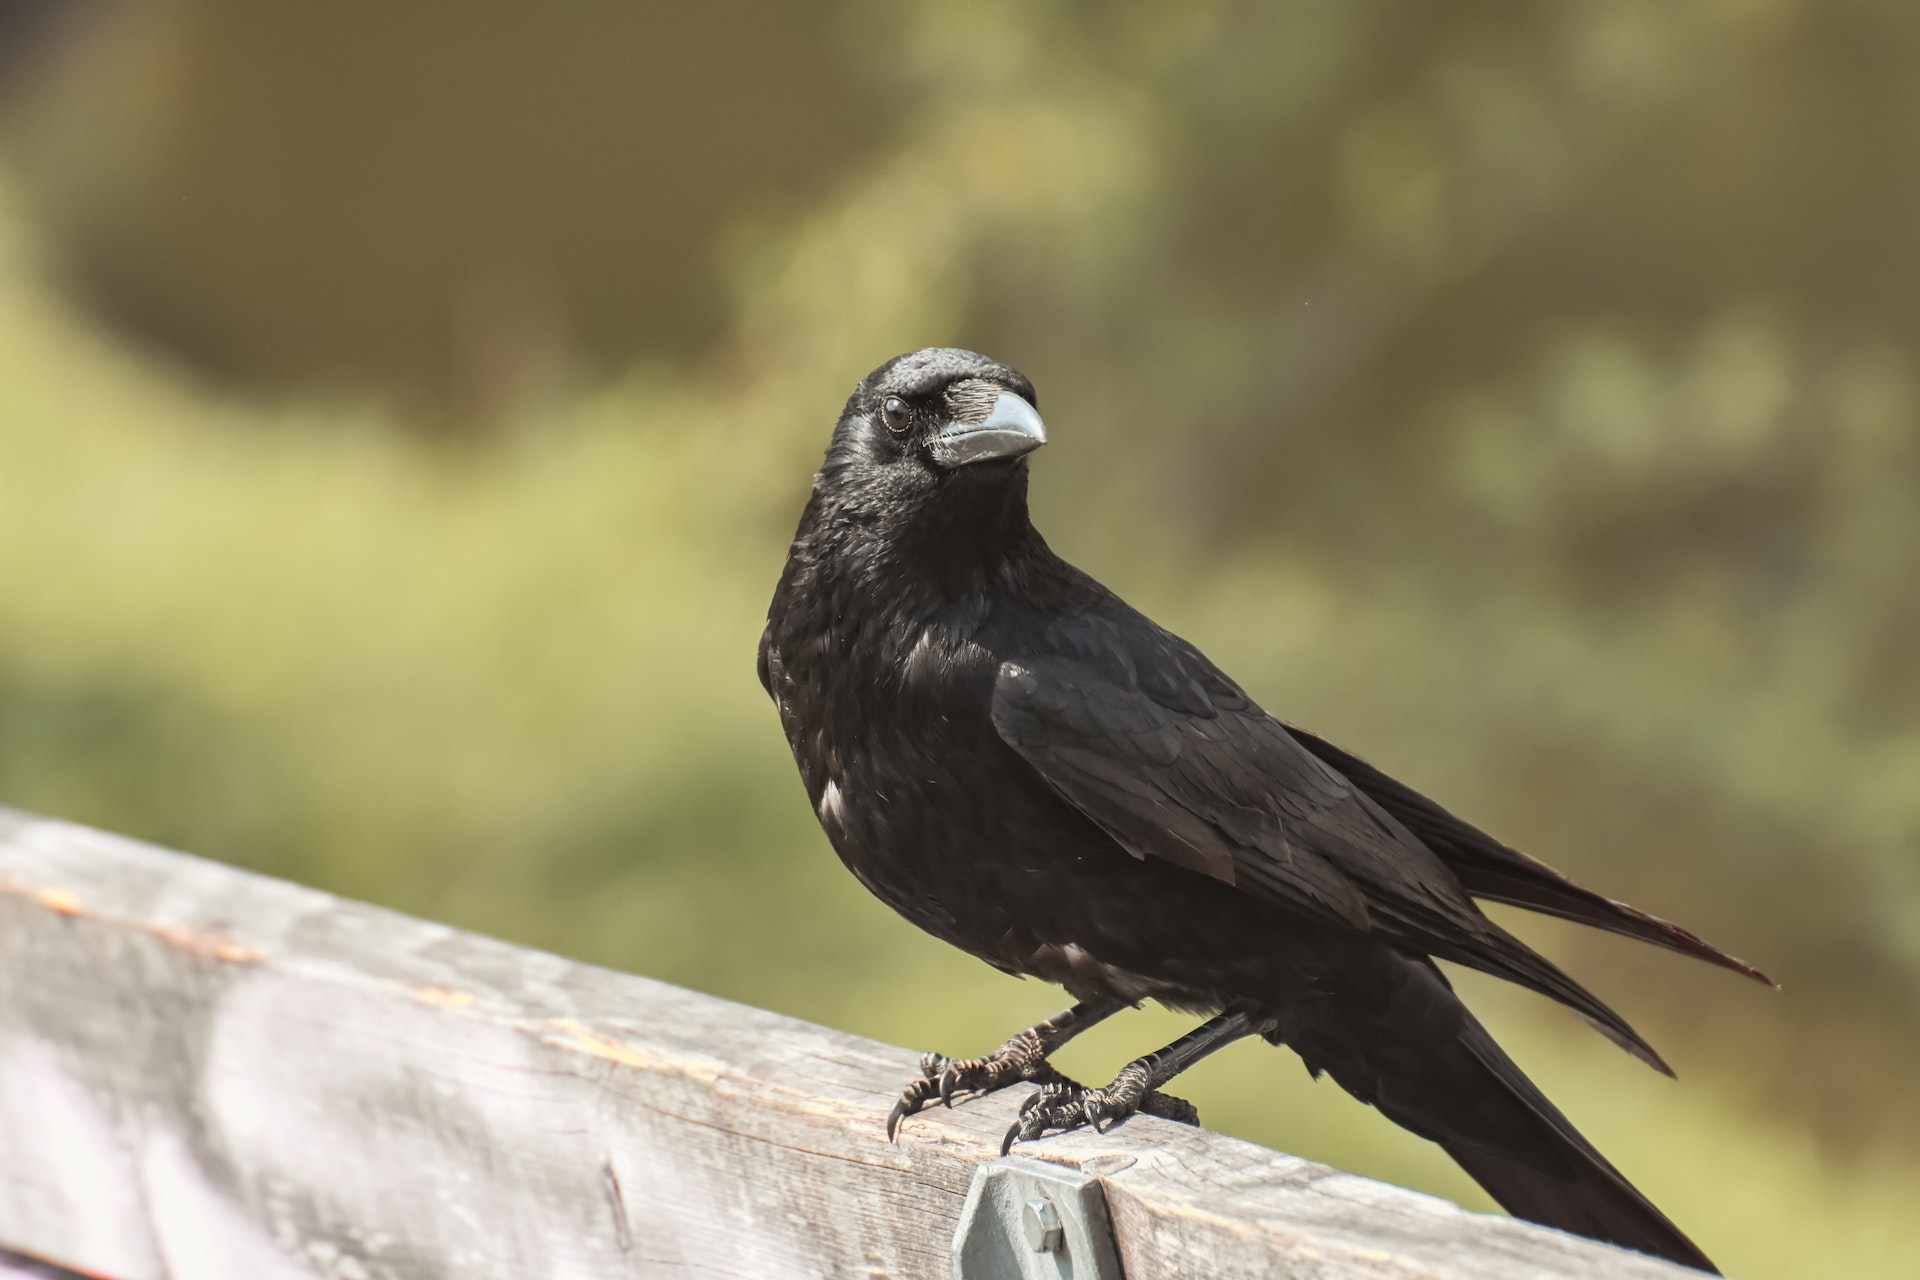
(1139, 732)
(1491, 870)
(1216, 785)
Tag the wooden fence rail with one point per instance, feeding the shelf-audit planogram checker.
(210, 1075)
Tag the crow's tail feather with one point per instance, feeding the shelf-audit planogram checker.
(1410, 1048)
(1575, 1190)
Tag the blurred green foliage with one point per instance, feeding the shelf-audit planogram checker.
(1522, 395)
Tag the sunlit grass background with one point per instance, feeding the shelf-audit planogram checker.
(1523, 396)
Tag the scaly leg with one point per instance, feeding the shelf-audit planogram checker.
(1022, 1058)
(1064, 1105)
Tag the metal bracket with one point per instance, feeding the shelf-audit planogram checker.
(1029, 1220)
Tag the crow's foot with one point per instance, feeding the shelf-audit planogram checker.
(1064, 1105)
(1021, 1058)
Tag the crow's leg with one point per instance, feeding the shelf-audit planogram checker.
(1022, 1058)
(1064, 1105)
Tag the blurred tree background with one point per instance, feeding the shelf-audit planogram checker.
(403, 410)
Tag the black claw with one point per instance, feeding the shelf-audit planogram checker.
(948, 1079)
(912, 1098)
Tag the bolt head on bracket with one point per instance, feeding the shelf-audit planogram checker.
(1040, 1223)
(1028, 1220)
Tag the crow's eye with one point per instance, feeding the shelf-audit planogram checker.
(895, 410)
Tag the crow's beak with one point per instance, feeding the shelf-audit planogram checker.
(1011, 428)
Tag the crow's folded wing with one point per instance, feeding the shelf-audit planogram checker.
(1156, 746)
(1209, 781)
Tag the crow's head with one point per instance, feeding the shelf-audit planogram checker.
(937, 413)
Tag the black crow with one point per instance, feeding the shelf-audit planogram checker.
(1013, 759)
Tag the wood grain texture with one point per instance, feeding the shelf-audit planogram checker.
(206, 1074)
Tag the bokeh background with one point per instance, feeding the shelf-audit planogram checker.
(404, 408)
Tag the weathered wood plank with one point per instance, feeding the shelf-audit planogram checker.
(206, 1073)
